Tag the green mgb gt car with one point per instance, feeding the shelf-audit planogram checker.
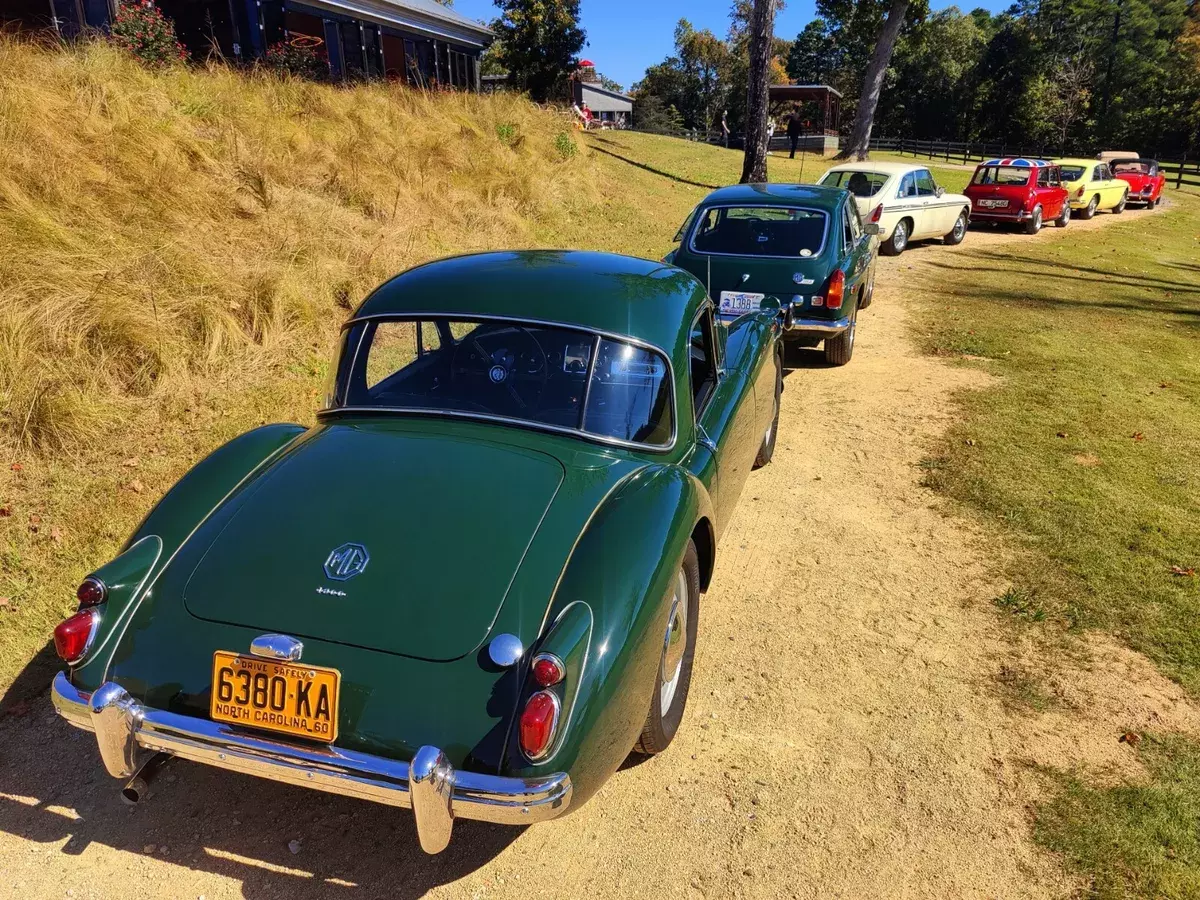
(473, 587)
(801, 244)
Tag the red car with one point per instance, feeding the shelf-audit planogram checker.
(1145, 180)
(1026, 192)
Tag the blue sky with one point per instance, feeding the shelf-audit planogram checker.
(626, 36)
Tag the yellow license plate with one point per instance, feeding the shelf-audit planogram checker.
(275, 695)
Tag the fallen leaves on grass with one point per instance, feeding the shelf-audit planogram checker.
(1062, 434)
(5, 512)
(1138, 436)
(132, 463)
(1131, 738)
(136, 486)
(16, 467)
(1087, 459)
(1184, 572)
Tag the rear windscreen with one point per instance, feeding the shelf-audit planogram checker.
(759, 231)
(1001, 175)
(1072, 173)
(860, 184)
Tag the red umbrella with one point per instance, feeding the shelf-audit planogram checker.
(586, 62)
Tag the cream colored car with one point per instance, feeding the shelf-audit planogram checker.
(904, 201)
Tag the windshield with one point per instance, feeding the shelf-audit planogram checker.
(1072, 173)
(548, 375)
(860, 184)
(1018, 175)
(1132, 166)
(759, 231)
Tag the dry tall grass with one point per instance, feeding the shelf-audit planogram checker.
(177, 251)
(163, 232)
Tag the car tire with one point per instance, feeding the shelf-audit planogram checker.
(1034, 225)
(869, 296)
(958, 232)
(838, 350)
(1120, 207)
(1064, 217)
(1090, 210)
(895, 244)
(662, 724)
(767, 450)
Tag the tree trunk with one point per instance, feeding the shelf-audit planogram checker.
(762, 31)
(864, 117)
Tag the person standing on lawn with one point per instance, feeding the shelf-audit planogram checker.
(794, 127)
(724, 129)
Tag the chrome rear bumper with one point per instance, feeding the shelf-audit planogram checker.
(818, 326)
(435, 791)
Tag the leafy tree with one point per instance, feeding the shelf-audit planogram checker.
(651, 114)
(695, 80)
(540, 42)
(490, 61)
(872, 85)
(812, 58)
(609, 84)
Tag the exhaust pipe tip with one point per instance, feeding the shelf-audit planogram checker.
(137, 788)
(134, 792)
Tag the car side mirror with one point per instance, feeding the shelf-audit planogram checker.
(940, 190)
(873, 228)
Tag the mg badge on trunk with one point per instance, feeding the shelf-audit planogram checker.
(346, 561)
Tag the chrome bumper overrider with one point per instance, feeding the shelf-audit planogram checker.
(429, 785)
(819, 326)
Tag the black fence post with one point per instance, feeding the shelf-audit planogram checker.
(1179, 171)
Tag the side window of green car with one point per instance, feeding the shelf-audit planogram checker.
(686, 226)
(702, 355)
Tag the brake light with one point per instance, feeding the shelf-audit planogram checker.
(91, 593)
(73, 635)
(877, 213)
(836, 290)
(548, 670)
(538, 723)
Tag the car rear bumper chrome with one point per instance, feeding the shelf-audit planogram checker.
(436, 792)
(992, 215)
(800, 325)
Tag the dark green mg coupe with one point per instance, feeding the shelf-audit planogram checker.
(801, 244)
(473, 587)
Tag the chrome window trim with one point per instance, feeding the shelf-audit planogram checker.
(700, 216)
(578, 431)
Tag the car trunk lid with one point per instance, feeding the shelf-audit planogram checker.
(410, 550)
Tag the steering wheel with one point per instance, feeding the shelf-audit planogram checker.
(493, 356)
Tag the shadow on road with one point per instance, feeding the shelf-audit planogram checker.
(54, 788)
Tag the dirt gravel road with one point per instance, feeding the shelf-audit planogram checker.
(843, 737)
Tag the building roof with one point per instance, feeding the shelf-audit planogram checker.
(421, 16)
(605, 292)
(601, 99)
(776, 194)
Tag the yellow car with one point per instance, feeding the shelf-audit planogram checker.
(1090, 186)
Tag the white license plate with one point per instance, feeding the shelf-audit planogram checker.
(992, 204)
(737, 303)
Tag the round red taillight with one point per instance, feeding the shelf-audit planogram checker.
(72, 636)
(91, 593)
(538, 724)
(548, 669)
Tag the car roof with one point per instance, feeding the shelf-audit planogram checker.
(1019, 162)
(881, 167)
(777, 194)
(1077, 161)
(606, 292)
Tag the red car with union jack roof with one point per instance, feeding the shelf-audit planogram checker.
(1025, 192)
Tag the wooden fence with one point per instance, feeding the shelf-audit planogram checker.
(1179, 172)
